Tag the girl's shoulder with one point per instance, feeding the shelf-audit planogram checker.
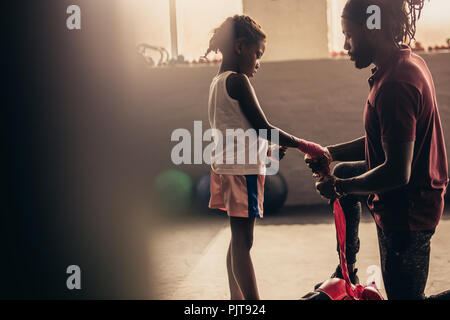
(237, 84)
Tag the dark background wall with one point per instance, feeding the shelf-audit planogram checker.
(320, 100)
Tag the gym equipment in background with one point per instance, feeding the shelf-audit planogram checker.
(275, 193)
(144, 50)
(174, 190)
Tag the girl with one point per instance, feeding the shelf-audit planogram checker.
(237, 187)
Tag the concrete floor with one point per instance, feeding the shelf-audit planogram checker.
(292, 251)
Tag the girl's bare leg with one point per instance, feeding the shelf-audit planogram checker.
(235, 291)
(241, 262)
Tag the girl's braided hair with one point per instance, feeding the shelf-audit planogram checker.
(236, 27)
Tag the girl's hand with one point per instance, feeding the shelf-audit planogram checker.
(281, 152)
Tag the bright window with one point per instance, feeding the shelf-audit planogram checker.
(148, 21)
(433, 27)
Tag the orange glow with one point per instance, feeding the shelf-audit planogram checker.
(433, 27)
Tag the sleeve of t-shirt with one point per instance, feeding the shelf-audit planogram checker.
(397, 107)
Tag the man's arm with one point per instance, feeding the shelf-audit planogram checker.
(348, 151)
(397, 107)
(393, 173)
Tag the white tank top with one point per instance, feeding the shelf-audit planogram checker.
(246, 155)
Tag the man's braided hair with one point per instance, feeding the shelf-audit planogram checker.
(399, 17)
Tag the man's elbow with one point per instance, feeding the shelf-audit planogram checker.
(402, 178)
(399, 176)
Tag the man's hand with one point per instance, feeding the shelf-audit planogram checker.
(318, 165)
(325, 187)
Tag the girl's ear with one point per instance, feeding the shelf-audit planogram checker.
(238, 44)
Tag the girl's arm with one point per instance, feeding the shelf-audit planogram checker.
(240, 89)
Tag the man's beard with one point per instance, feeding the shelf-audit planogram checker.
(363, 56)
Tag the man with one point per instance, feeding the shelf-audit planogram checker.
(401, 162)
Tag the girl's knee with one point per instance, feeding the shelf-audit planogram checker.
(242, 234)
(243, 242)
(249, 243)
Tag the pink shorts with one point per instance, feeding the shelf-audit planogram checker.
(241, 196)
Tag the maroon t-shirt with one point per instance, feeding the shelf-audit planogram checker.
(402, 108)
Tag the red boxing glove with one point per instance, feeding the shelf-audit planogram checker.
(312, 149)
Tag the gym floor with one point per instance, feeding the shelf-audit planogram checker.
(293, 250)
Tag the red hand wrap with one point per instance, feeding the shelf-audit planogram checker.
(312, 149)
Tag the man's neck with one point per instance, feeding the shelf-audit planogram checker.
(384, 54)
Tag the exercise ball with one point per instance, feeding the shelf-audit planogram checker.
(174, 189)
(202, 191)
(275, 193)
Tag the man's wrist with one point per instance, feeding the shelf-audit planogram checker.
(328, 155)
(341, 187)
(331, 153)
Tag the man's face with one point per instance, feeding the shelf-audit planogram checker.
(358, 44)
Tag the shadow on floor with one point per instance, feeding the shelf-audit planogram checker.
(315, 214)
(318, 214)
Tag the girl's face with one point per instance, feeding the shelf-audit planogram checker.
(249, 57)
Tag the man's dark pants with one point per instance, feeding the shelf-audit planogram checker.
(404, 255)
